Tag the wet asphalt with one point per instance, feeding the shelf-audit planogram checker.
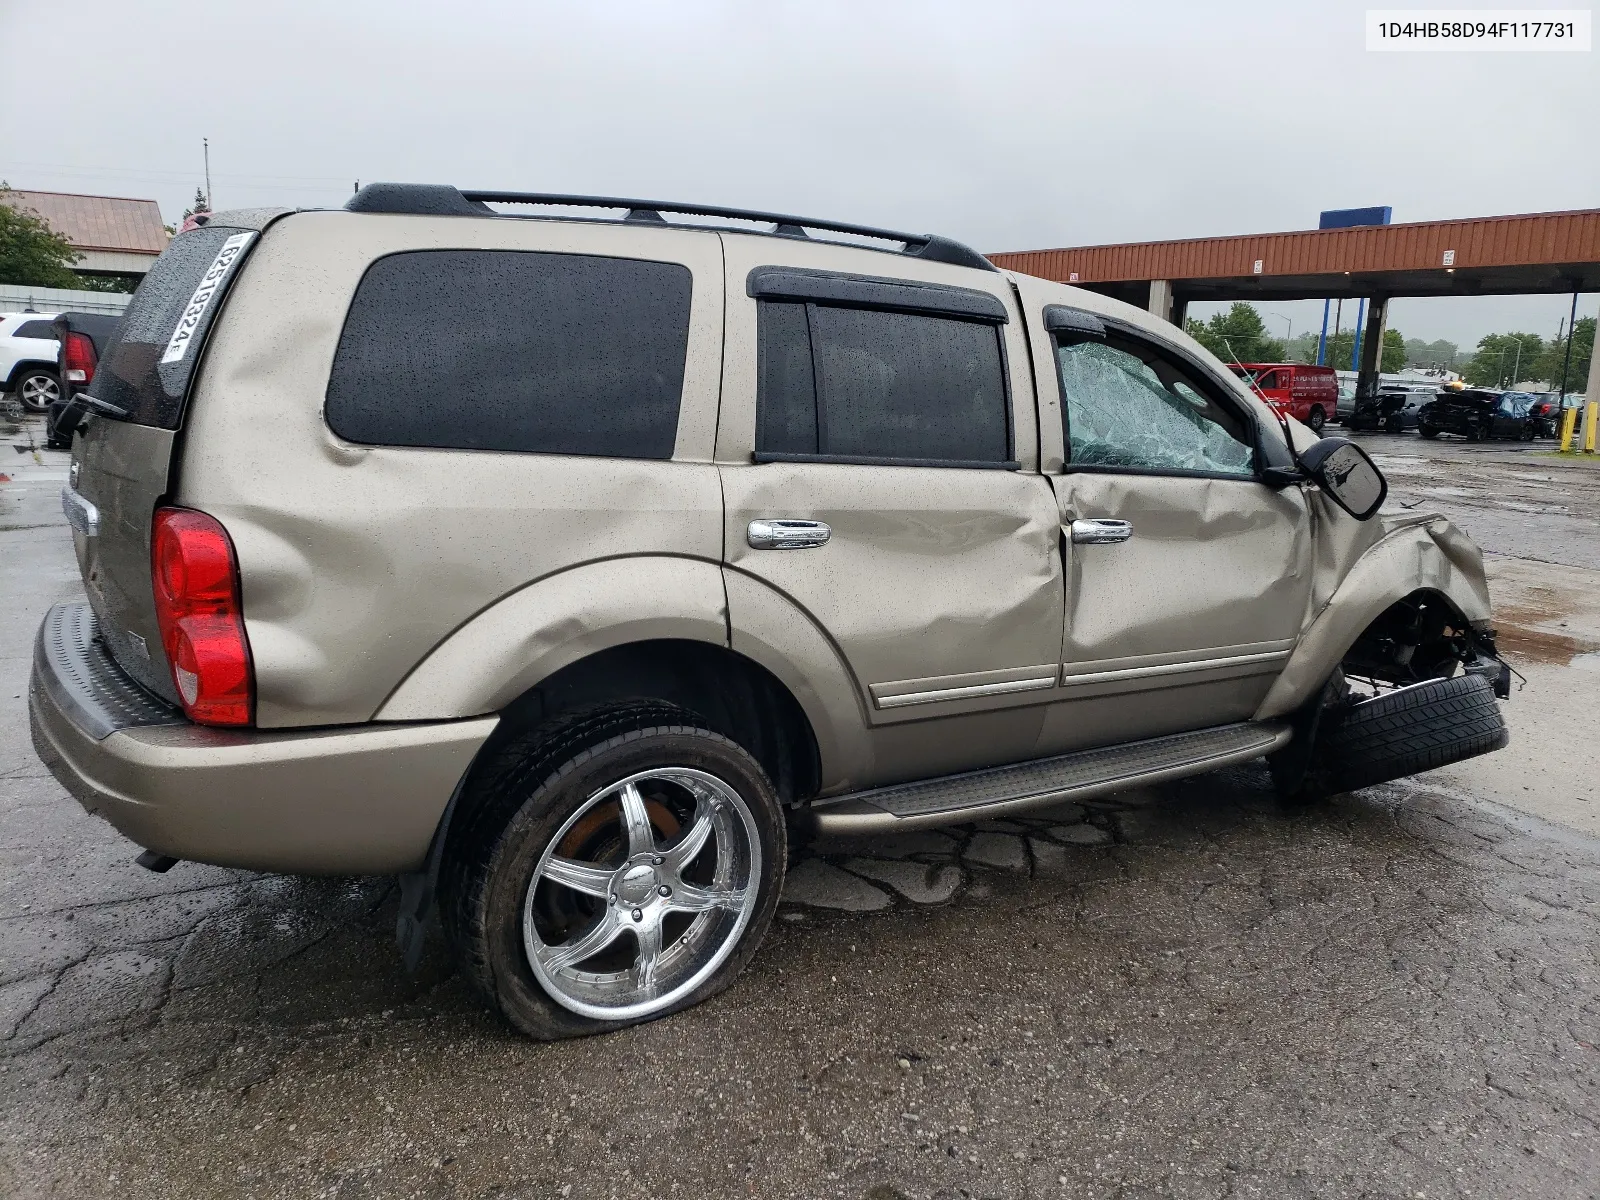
(1181, 991)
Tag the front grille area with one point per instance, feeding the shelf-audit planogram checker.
(71, 663)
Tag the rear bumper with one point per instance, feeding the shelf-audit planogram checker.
(347, 801)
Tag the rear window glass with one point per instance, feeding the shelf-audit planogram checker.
(514, 350)
(866, 383)
(35, 329)
(147, 366)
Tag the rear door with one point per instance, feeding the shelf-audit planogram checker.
(121, 466)
(887, 427)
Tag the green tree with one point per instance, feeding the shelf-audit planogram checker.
(31, 253)
(1504, 358)
(202, 204)
(1237, 335)
(1394, 351)
(1431, 354)
(1555, 357)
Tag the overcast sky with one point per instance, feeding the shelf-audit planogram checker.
(1009, 125)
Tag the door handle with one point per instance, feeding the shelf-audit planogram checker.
(1100, 532)
(782, 534)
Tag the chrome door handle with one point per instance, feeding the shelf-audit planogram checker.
(1100, 532)
(781, 534)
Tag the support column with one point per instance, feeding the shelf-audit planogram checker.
(1180, 311)
(1591, 401)
(1372, 347)
(1161, 298)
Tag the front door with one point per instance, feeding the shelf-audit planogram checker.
(1182, 610)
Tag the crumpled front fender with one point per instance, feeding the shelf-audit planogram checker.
(1360, 572)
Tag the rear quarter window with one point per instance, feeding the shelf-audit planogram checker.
(35, 329)
(520, 351)
(146, 368)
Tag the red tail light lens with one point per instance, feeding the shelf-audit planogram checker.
(196, 577)
(78, 358)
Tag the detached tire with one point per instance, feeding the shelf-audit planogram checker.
(611, 868)
(1413, 729)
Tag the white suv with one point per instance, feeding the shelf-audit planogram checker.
(28, 359)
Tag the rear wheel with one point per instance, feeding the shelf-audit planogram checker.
(1528, 432)
(1316, 419)
(615, 868)
(36, 388)
(1427, 431)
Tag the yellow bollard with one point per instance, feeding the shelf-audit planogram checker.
(1569, 419)
(1591, 412)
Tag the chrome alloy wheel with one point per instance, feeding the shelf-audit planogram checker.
(642, 894)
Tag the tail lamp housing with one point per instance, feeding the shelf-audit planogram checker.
(198, 608)
(78, 358)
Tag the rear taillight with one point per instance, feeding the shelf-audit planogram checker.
(196, 577)
(78, 358)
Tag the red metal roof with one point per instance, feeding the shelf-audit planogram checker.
(1525, 240)
(111, 223)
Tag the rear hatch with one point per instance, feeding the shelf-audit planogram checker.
(121, 465)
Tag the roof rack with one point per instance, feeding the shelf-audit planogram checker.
(441, 200)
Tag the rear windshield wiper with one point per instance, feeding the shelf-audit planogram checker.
(102, 406)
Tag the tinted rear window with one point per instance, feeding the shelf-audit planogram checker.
(866, 383)
(147, 366)
(35, 329)
(514, 350)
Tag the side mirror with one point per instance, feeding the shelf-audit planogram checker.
(1351, 479)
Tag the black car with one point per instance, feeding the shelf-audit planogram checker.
(1393, 409)
(1478, 414)
(81, 339)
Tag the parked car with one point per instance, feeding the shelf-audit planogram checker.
(1396, 408)
(28, 360)
(746, 536)
(1309, 394)
(1547, 410)
(80, 339)
(1478, 414)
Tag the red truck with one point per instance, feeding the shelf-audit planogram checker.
(1299, 390)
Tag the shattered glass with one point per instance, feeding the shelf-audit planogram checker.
(1119, 413)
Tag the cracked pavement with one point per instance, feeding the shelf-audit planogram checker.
(1176, 991)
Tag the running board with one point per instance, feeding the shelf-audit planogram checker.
(997, 791)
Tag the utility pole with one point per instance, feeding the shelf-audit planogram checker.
(205, 144)
(1566, 363)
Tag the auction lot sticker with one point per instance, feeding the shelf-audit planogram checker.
(210, 282)
(1519, 30)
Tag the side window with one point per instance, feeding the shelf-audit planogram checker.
(843, 382)
(35, 329)
(514, 350)
(1128, 406)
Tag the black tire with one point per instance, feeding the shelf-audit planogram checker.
(1528, 433)
(521, 799)
(1316, 419)
(36, 387)
(1412, 729)
(1427, 431)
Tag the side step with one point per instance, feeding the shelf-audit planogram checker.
(995, 791)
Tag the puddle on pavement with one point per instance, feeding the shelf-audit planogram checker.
(1517, 631)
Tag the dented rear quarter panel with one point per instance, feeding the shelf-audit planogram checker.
(357, 561)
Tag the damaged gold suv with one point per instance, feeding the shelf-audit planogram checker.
(570, 566)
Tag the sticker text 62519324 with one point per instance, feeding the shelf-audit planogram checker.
(195, 310)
